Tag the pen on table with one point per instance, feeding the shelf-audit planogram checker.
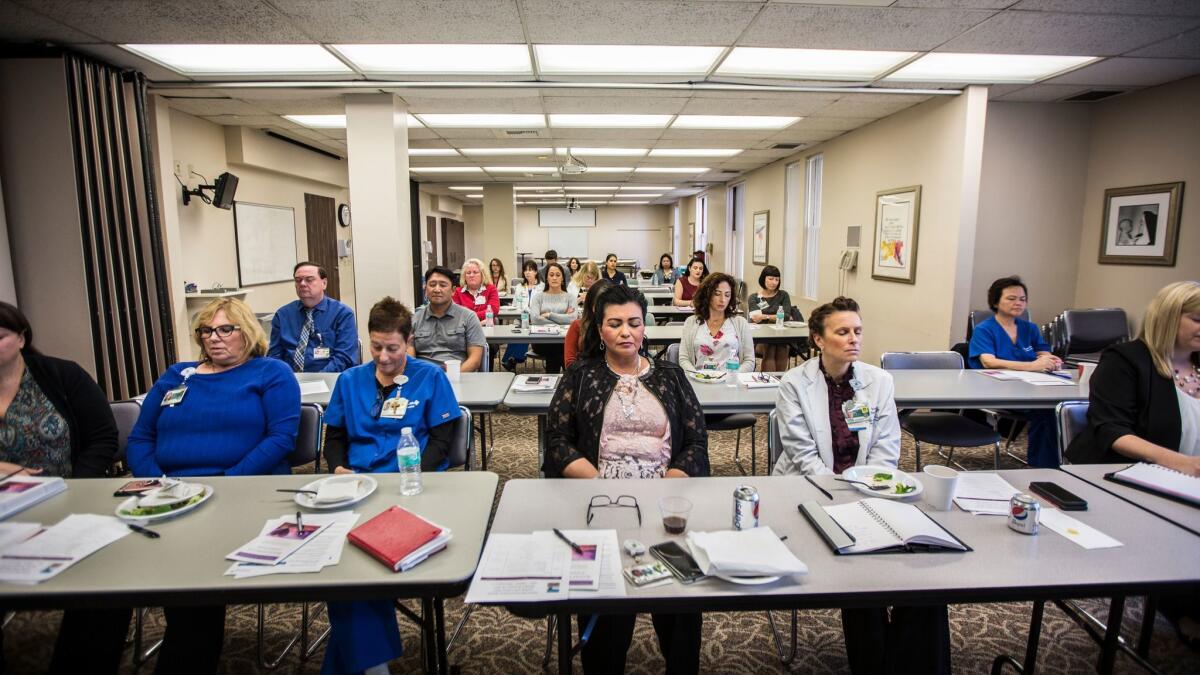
(573, 545)
(1062, 376)
(143, 531)
(299, 524)
(814, 484)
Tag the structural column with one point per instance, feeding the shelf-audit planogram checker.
(499, 225)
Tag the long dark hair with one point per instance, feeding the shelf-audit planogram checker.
(705, 292)
(687, 270)
(587, 316)
(12, 319)
(614, 294)
(565, 279)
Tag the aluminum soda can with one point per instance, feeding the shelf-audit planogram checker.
(745, 507)
(1024, 513)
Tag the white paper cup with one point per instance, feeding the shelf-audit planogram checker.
(940, 483)
(1085, 372)
(453, 370)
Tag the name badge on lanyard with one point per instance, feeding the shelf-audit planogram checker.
(394, 408)
(480, 299)
(175, 396)
(857, 413)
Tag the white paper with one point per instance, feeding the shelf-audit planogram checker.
(1040, 379)
(991, 493)
(610, 581)
(521, 568)
(279, 540)
(314, 387)
(56, 548)
(754, 552)
(325, 549)
(12, 533)
(1084, 535)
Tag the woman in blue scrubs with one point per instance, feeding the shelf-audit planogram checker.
(1006, 341)
(361, 437)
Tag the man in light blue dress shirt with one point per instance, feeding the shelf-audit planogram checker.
(314, 334)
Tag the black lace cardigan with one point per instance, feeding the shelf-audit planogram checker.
(576, 416)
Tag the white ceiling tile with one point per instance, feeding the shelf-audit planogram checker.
(421, 135)
(649, 104)
(1053, 33)
(1130, 7)
(613, 137)
(636, 22)
(412, 21)
(1118, 72)
(480, 103)
(823, 27)
(780, 104)
(996, 91)
(699, 137)
(257, 121)
(408, 93)
(1182, 46)
(869, 105)
(1041, 93)
(215, 106)
(176, 21)
(955, 4)
(328, 105)
(582, 92)
(338, 134)
(21, 24)
(805, 136)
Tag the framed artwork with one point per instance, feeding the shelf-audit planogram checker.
(897, 219)
(762, 233)
(1141, 225)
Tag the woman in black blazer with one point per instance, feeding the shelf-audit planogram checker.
(1145, 394)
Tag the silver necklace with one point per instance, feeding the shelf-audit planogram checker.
(628, 407)
(1192, 379)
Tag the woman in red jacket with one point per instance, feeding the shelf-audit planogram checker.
(474, 294)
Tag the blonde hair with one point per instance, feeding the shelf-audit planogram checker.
(239, 313)
(587, 269)
(485, 278)
(1160, 327)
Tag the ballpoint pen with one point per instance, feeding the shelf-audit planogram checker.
(299, 524)
(573, 545)
(143, 531)
(1064, 376)
(814, 484)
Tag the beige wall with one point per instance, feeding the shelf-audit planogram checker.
(638, 232)
(765, 192)
(1149, 137)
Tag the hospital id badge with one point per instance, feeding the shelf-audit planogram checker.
(479, 299)
(321, 352)
(858, 414)
(394, 408)
(174, 396)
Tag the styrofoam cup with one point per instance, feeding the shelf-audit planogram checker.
(940, 483)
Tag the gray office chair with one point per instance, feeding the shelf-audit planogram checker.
(1072, 418)
(461, 450)
(1086, 332)
(943, 429)
(309, 437)
(729, 422)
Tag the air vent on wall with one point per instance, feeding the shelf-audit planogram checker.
(1093, 95)
(786, 146)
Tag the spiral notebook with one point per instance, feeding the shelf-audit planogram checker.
(1159, 480)
(878, 526)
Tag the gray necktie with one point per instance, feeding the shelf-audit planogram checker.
(305, 333)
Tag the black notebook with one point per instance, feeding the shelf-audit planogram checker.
(877, 526)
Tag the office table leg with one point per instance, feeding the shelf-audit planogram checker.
(1031, 645)
(1147, 632)
(565, 650)
(483, 446)
(439, 627)
(1108, 650)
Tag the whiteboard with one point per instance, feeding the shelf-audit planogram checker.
(568, 241)
(266, 242)
(565, 218)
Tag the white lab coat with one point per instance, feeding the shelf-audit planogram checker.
(802, 415)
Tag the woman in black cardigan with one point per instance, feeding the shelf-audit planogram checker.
(55, 421)
(619, 414)
(1145, 393)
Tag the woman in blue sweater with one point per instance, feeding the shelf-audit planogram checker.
(232, 413)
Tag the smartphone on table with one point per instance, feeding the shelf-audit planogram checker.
(679, 561)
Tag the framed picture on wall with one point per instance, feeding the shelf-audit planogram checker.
(762, 234)
(1141, 225)
(897, 219)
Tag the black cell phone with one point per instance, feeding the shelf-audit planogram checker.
(1057, 495)
(679, 561)
(138, 487)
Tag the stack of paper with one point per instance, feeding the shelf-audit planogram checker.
(540, 566)
(1058, 377)
(757, 551)
(543, 330)
(534, 383)
(50, 551)
(758, 380)
(983, 493)
(314, 387)
(279, 539)
(320, 551)
(18, 493)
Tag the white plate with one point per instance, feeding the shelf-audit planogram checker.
(749, 581)
(160, 497)
(708, 377)
(865, 473)
(366, 486)
(132, 502)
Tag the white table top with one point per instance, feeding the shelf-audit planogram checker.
(1004, 565)
(478, 392)
(1183, 515)
(187, 565)
(972, 389)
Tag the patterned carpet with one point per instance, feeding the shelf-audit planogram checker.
(494, 641)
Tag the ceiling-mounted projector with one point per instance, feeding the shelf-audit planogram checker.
(572, 165)
(572, 205)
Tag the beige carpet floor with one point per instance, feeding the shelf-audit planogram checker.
(494, 641)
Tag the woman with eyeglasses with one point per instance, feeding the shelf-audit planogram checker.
(232, 413)
(619, 414)
(371, 404)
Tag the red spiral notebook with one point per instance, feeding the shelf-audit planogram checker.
(399, 539)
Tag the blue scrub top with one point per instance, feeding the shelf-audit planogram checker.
(989, 338)
(372, 441)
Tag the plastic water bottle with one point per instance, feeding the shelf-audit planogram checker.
(524, 318)
(408, 456)
(731, 367)
(779, 318)
(489, 318)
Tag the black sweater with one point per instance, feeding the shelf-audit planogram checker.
(79, 400)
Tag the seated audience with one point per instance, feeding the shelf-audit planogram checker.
(315, 333)
(55, 421)
(232, 413)
(554, 305)
(551, 258)
(618, 414)
(716, 333)
(474, 294)
(818, 436)
(665, 274)
(362, 433)
(523, 293)
(499, 278)
(573, 341)
(686, 285)
(610, 273)
(573, 266)
(444, 331)
(763, 307)
(583, 279)
(1007, 341)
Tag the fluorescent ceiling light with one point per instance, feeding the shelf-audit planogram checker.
(506, 151)
(671, 169)
(639, 195)
(647, 187)
(335, 121)
(521, 169)
(520, 188)
(585, 196)
(624, 59)
(432, 152)
(986, 68)
(625, 203)
(475, 196)
(478, 121)
(695, 152)
(467, 188)
(609, 169)
(810, 64)
(444, 169)
(556, 203)
(603, 121)
(605, 152)
(578, 202)
(242, 59)
(440, 58)
(591, 187)
(733, 122)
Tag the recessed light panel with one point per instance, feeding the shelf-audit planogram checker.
(733, 122)
(626, 203)
(671, 169)
(609, 169)
(521, 169)
(432, 152)
(466, 188)
(810, 64)
(243, 59)
(694, 152)
(647, 187)
(597, 188)
(506, 151)
(538, 188)
(479, 121)
(605, 152)
(624, 59)
(431, 59)
(445, 169)
(986, 68)
(475, 196)
(602, 121)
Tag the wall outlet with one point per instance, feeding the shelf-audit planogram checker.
(179, 170)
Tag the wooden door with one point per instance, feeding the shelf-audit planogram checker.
(321, 220)
(431, 256)
(453, 242)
